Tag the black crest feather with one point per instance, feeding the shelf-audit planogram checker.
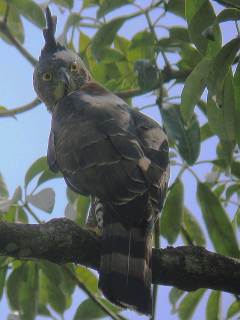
(51, 45)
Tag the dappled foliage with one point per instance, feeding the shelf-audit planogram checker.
(193, 77)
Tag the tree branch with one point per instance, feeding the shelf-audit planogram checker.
(62, 241)
(26, 107)
(7, 33)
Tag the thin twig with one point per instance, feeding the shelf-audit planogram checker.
(7, 33)
(26, 107)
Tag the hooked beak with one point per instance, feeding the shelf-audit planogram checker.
(64, 77)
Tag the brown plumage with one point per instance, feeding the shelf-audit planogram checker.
(117, 155)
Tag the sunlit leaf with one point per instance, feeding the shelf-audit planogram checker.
(88, 278)
(174, 296)
(233, 309)
(213, 310)
(3, 188)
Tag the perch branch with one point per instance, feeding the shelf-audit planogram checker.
(62, 241)
(26, 107)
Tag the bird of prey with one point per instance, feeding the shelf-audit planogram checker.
(113, 153)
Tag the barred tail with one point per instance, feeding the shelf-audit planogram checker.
(125, 269)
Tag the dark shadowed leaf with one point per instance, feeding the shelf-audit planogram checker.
(30, 10)
(234, 309)
(177, 7)
(179, 33)
(195, 11)
(172, 215)
(109, 5)
(89, 310)
(213, 310)
(189, 304)
(206, 132)
(187, 136)
(220, 68)
(193, 228)
(44, 199)
(14, 282)
(217, 221)
(236, 84)
(105, 35)
(142, 39)
(147, 74)
(222, 118)
(37, 167)
(194, 87)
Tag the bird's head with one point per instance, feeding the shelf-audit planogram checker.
(59, 71)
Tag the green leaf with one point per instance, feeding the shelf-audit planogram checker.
(46, 176)
(29, 292)
(14, 24)
(3, 188)
(37, 167)
(189, 304)
(206, 132)
(64, 3)
(90, 3)
(14, 282)
(236, 84)
(193, 228)
(90, 310)
(233, 309)
(174, 295)
(51, 290)
(172, 215)
(30, 10)
(88, 278)
(107, 6)
(228, 14)
(233, 3)
(176, 7)
(44, 199)
(213, 310)
(179, 33)
(217, 221)
(186, 136)
(142, 39)
(3, 273)
(194, 87)
(105, 35)
(84, 42)
(195, 11)
(110, 55)
(222, 118)
(221, 66)
(82, 206)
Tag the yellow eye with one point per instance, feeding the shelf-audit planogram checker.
(47, 76)
(74, 67)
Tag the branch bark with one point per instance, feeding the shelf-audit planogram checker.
(62, 241)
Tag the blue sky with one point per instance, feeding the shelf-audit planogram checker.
(24, 140)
